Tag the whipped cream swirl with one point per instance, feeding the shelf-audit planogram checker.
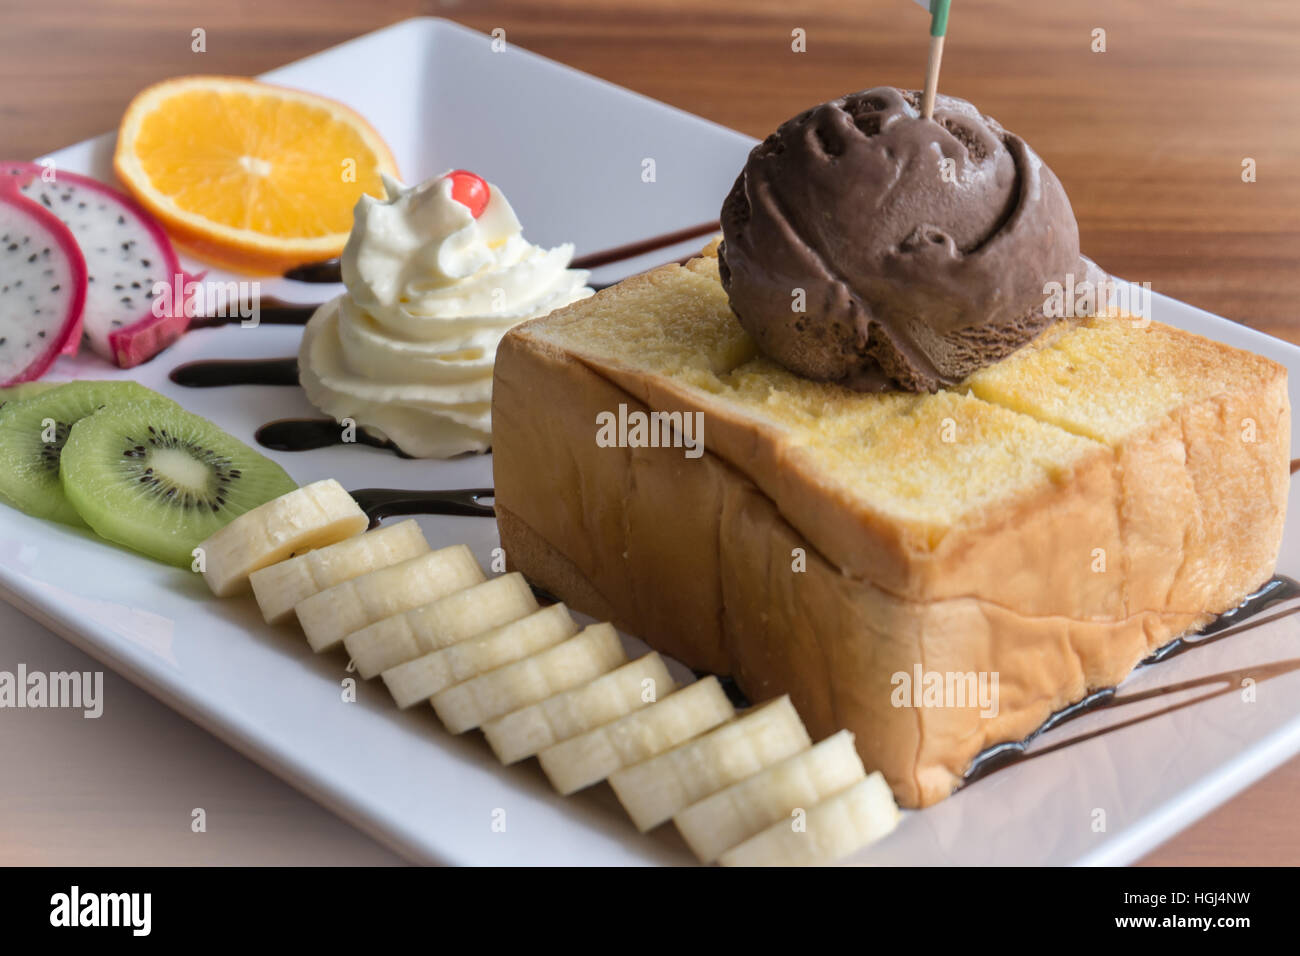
(407, 352)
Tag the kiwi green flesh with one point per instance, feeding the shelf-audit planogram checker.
(35, 423)
(160, 480)
(14, 393)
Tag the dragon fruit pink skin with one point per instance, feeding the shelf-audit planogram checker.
(127, 255)
(42, 288)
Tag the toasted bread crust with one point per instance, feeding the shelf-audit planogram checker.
(695, 556)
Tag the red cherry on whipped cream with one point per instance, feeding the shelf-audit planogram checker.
(469, 190)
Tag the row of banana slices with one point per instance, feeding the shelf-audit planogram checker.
(748, 789)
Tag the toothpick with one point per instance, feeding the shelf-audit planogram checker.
(938, 27)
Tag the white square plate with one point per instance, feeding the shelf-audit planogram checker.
(568, 151)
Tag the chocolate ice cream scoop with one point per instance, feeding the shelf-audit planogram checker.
(866, 245)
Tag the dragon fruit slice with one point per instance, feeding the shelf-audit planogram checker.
(127, 256)
(42, 288)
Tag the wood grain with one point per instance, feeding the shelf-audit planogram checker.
(1148, 137)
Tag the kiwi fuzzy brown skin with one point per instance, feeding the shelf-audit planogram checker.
(160, 480)
(29, 465)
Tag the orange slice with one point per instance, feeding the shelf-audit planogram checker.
(251, 176)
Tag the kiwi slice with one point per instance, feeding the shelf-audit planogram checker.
(161, 480)
(14, 393)
(34, 424)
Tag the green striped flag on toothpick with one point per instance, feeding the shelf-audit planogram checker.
(938, 27)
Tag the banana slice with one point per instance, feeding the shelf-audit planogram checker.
(578, 660)
(336, 612)
(419, 679)
(279, 587)
(431, 627)
(526, 731)
(591, 757)
(839, 825)
(748, 791)
(731, 816)
(653, 790)
(309, 517)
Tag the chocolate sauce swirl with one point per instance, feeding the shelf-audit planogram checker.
(325, 271)
(1243, 617)
(270, 311)
(309, 434)
(381, 503)
(330, 270)
(217, 373)
(634, 249)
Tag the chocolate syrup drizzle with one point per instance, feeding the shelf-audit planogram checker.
(325, 271)
(308, 434)
(1241, 618)
(270, 311)
(330, 270)
(381, 503)
(215, 373)
(634, 249)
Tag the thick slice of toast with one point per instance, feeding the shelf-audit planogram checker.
(1041, 529)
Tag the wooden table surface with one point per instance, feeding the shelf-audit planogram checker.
(1149, 138)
